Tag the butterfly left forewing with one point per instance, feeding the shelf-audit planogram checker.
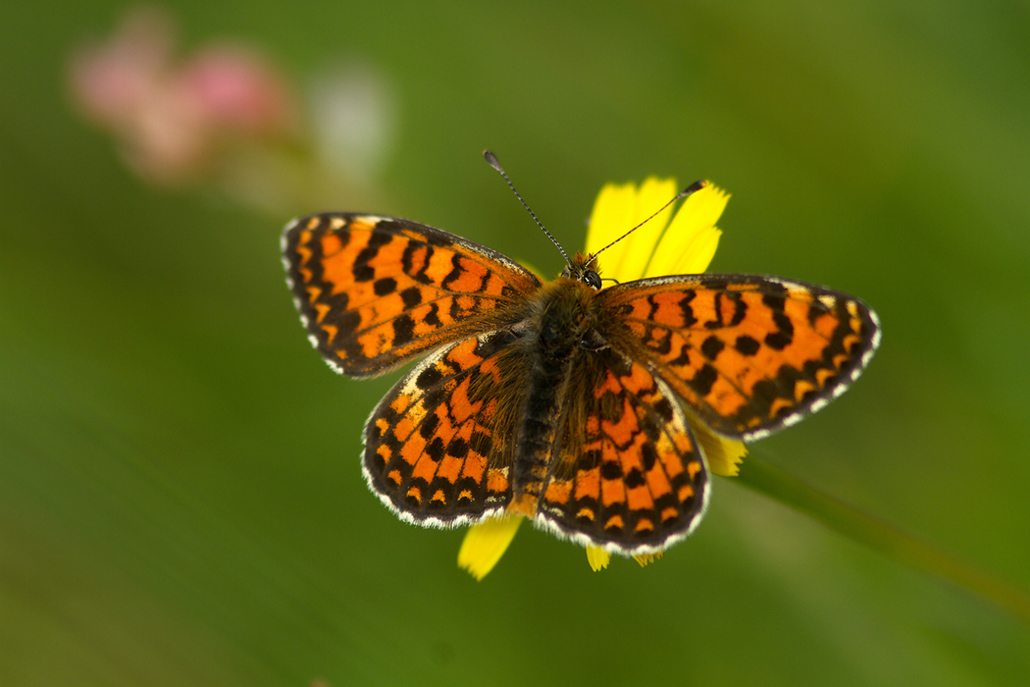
(375, 292)
(749, 355)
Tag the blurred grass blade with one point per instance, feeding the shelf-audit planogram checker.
(882, 536)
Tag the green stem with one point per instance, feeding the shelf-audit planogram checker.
(881, 536)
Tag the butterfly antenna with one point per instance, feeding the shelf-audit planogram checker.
(693, 188)
(492, 160)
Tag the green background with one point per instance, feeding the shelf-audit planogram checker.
(180, 494)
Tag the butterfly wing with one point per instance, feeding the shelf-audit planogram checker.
(627, 474)
(375, 292)
(749, 355)
(439, 446)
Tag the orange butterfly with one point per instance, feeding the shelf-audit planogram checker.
(562, 401)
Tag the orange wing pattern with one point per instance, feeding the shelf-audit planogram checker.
(749, 355)
(375, 292)
(627, 474)
(439, 447)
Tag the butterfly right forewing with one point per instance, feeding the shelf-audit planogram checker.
(748, 354)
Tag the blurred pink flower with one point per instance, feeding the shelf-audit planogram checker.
(234, 88)
(174, 117)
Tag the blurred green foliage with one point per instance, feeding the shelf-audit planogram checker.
(180, 495)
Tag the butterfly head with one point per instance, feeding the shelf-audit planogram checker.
(580, 269)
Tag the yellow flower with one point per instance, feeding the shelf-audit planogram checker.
(684, 245)
(485, 543)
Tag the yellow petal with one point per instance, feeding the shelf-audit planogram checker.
(619, 209)
(646, 558)
(485, 543)
(598, 558)
(723, 456)
(641, 244)
(689, 243)
(610, 216)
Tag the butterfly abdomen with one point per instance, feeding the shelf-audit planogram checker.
(552, 344)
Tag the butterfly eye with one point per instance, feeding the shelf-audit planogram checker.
(591, 279)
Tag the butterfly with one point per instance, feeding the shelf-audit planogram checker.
(568, 402)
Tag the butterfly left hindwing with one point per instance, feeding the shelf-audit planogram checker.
(439, 446)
